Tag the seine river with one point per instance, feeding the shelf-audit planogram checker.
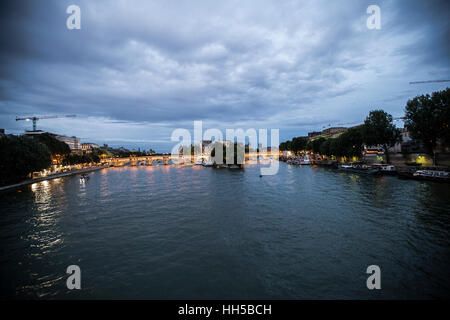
(190, 232)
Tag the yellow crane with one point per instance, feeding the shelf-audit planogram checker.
(35, 119)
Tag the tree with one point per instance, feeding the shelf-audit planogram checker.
(238, 156)
(55, 146)
(428, 119)
(378, 129)
(295, 145)
(78, 159)
(314, 145)
(350, 142)
(298, 144)
(286, 146)
(335, 148)
(324, 148)
(21, 156)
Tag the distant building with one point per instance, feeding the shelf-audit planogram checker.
(373, 150)
(314, 134)
(73, 142)
(88, 147)
(333, 130)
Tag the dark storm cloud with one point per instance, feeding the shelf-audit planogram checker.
(291, 65)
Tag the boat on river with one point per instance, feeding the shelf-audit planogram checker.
(359, 168)
(84, 178)
(387, 169)
(293, 161)
(432, 175)
(305, 161)
(425, 175)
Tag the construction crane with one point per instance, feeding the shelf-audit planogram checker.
(35, 119)
(428, 81)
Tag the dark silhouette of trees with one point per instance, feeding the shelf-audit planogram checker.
(428, 120)
(378, 129)
(295, 145)
(231, 154)
(55, 146)
(21, 156)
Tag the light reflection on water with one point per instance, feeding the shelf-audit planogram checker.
(195, 232)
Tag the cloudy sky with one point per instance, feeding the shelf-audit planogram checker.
(136, 70)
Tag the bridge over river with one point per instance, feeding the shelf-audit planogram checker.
(172, 159)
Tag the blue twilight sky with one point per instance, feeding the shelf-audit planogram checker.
(139, 69)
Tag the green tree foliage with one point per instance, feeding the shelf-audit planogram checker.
(325, 148)
(350, 143)
(335, 148)
(314, 145)
(298, 144)
(428, 119)
(54, 145)
(378, 129)
(295, 145)
(99, 151)
(79, 159)
(286, 146)
(21, 156)
(236, 153)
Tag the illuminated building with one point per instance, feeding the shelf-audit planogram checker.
(88, 147)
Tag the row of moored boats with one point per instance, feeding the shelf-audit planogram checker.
(381, 169)
(417, 174)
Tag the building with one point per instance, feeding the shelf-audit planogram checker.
(333, 130)
(88, 147)
(73, 143)
(314, 134)
(373, 150)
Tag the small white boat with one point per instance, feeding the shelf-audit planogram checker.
(433, 175)
(305, 161)
(388, 169)
(359, 168)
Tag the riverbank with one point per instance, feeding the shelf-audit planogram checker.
(50, 177)
(421, 173)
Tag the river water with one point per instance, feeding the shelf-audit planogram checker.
(190, 232)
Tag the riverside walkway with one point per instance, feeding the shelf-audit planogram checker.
(50, 177)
